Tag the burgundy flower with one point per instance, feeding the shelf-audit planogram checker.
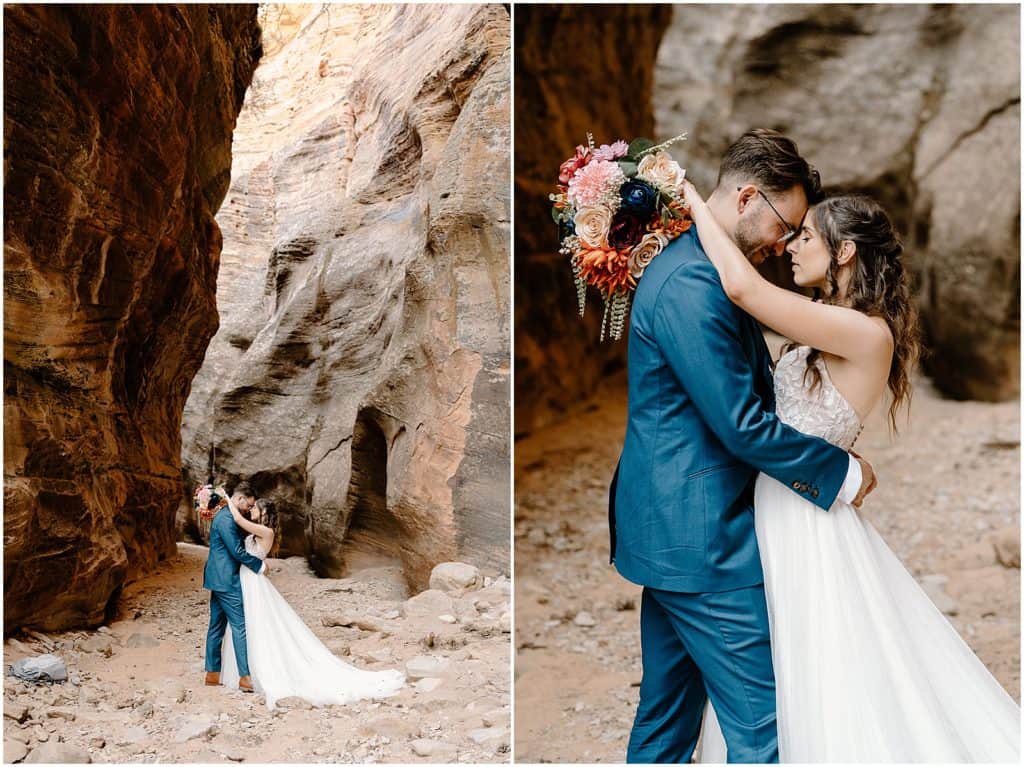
(626, 231)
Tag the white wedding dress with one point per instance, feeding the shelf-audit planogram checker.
(867, 669)
(287, 659)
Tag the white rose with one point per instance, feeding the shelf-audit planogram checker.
(661, 170)
(644, 252)
(592, 225)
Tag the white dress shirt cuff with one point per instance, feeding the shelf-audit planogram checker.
(262, 569)
(851, 486)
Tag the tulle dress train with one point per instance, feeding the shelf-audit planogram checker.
(287, 659)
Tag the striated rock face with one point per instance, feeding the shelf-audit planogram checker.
(360, 374)
(117, 151)
(560, 96)
(916, 105)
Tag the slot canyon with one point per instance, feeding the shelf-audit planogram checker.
(333, 331)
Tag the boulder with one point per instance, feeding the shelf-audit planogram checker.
(455, 576)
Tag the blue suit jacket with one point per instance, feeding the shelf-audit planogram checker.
(701, 425)
(227, 552)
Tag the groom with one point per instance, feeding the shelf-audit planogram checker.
(227, 553)
(701, 426)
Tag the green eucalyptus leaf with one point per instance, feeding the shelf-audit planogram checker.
(628, 167)
(637, 146)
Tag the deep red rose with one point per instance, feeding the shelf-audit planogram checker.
(626, 231)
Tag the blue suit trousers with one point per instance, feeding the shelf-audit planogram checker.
(226, 608)
(696, 646)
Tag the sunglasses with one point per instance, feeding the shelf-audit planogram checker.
(790, 232)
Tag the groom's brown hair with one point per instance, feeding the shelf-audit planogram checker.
(244, 489)
(770, 160)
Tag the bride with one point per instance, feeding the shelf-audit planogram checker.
(867, 669)
(285, 656)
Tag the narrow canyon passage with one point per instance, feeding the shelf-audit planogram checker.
(359, 377)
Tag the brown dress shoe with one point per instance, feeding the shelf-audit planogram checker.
(212, 678)
(245, 684)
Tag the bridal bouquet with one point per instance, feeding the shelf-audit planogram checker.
(617, 206)
(209, 501)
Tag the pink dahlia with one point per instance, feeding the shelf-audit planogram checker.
(596, 183)
(611, 151)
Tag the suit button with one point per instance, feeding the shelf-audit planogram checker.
(814, 492)
(796, 485)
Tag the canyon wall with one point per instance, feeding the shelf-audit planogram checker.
(560, 96)
(117, 154)
(360, 376)
(918, 106)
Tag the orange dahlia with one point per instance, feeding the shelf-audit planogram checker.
(606, 269)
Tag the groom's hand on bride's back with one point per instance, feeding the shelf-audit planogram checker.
(868, 480)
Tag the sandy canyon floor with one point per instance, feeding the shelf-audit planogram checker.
(136, 690)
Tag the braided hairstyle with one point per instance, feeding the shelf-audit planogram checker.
(879, 285)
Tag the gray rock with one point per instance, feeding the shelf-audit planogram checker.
(294, 702)
(198, 728)
(14, 751)
(445, 752)
(19, 712)
(58, 753)
(428, 684)
(485, 734)
(97, 643)
(141, 640)
(455, 576)
(425, 666)
(584, 619)
(499, 716)
(1007, 546)
(428, 604)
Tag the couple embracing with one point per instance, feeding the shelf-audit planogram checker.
(255, 639)
(775, 622)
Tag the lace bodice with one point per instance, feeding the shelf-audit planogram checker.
(253, 546)
(822, 413)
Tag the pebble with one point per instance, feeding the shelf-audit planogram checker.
(98, 644)
(429, 684)
(428, 748)
(584, 619)
(485, 734)
(194, 729)
(141, 640)
(424, 666)
(16, 711)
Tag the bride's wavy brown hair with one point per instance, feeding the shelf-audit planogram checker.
(879, 286)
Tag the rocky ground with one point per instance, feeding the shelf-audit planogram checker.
(948, 504)
(136, 693)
